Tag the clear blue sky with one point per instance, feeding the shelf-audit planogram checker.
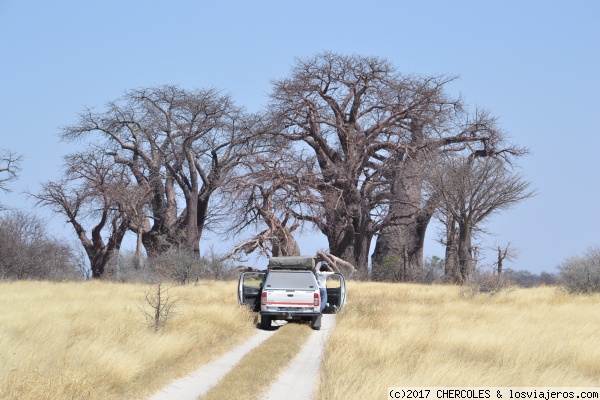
(534, 64)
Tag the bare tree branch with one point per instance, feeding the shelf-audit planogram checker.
(10, 166)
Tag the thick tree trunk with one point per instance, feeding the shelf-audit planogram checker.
(399, 249)
(398, 254)
(284, 244)
(338, 228)
(163, 233)
(362, 244)
(138, 249)
(351, 243)
(339, 237)
(202, 215)
(98, 255)
(97, 267)
(191, 221)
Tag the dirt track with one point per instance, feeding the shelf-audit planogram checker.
(297, 381)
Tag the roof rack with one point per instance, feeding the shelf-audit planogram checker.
(292, 262)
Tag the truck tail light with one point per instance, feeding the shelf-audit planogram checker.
(263, 300)
(317, 299)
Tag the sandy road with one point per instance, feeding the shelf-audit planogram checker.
(200, 381)
(297, 381)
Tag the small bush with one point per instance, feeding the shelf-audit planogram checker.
(433, 270)
(388, 270)
(161, 306)
(486, 282)
(581, 274)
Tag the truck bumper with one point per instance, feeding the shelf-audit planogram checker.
(290, 315)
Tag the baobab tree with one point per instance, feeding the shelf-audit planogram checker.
(173, 142)
(346, 115)
(85, 196)
(471, 189)
(431, 139)
(364, 129)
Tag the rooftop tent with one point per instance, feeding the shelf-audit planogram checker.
(299, 262)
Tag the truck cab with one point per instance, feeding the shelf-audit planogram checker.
(288, 290)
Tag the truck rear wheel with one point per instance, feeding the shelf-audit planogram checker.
(265, 322)
(316, 322)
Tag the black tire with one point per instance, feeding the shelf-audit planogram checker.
(316, 323)
(265, 322)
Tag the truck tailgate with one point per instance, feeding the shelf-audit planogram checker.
(290, 300)
(290, 291)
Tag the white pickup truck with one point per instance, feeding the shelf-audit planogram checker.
(288, 290)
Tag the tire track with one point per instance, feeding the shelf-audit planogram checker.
(299, 380)
(200, 381)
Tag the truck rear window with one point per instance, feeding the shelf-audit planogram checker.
(290, 280)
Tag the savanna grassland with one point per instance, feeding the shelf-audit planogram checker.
(436, 336)
(90, 340)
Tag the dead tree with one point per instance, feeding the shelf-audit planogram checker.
(506, 253)
(337, 263)
(28, 251)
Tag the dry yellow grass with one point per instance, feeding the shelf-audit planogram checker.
(414, 336)
(90, 340)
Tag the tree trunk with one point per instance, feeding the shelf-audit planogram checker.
(339, 232)
(163, 234)
(501, 257)
(399, 250)
(398, 254)
(201, 216)
(399, 247)
(284, 243)
(191, 226)
(138, 249)
(350, 242)
(97, 265)
(451, 267)
(465, 254)
(362, 244)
